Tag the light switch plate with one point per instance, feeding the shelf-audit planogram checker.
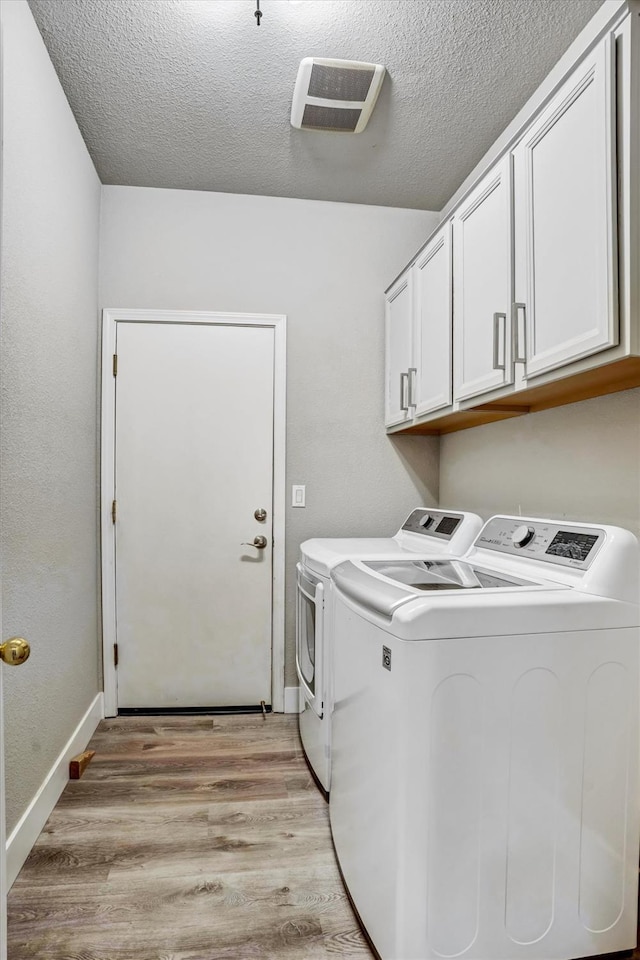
(298, 495)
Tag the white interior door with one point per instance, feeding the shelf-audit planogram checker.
(193, 462)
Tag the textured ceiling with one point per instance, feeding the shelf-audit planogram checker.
(191, 94)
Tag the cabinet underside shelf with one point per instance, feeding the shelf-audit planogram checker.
(609, 378)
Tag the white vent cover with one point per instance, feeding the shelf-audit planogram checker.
(335, 95)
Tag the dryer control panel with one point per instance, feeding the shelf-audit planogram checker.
(567, 544)
(433, 523)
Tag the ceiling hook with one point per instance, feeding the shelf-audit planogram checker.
(258, 13)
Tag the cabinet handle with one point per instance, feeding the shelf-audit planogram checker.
(496, 341)
(411, 380)
(515, 320)
(404, 386)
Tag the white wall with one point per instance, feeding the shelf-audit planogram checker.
(325, 266)
(51, 197)
(578, 462)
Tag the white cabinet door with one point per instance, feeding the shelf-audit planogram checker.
(565, 226)
(482, 284)
(398, 350)
(431, 388)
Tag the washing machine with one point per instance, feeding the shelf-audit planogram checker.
(485, 799)
(426, 531)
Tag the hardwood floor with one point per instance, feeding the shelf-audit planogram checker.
(199, 838)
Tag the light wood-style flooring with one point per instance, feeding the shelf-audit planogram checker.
(187, 838)
(199, 838)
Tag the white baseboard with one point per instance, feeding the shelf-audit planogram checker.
(28, 829)
(291, 696)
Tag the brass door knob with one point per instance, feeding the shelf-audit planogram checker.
(14, 651)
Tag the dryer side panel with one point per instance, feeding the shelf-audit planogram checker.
(533, 805)
(456, 735)
(604, 796)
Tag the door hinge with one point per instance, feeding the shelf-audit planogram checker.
(114, 510)
(115, 364)
(115, 654)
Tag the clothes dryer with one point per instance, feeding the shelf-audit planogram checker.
(425, 532)
(485, 793)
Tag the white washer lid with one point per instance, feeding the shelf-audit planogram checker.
(414, 538)
(322, 554)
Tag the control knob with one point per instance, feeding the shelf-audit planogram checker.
(522, 535)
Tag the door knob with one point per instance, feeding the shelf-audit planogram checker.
(14, 651)
(260, 514)
(260, 542)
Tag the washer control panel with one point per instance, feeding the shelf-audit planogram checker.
(432, 523)
(566, 544)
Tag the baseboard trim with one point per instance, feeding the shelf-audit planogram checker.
(28, 829)
(291, 698)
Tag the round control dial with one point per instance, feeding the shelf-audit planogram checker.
(522, 535)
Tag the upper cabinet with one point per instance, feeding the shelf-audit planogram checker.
(432, 324)
(565, 305)
(482, 257)
(418, 335)
(529, 294)
(398, 349)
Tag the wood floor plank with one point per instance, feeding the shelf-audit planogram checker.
(79, 826)
(152, 746)
(222, 768)
(180, 790)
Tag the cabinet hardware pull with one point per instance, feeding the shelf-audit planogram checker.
(515, 320)
(411, 380)
(404, 381)
(496, 342)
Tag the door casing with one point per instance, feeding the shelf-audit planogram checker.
(110, 318)
(3, 840)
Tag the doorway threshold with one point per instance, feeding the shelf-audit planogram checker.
(191, 711)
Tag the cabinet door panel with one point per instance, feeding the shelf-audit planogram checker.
(565, 222)
(398, 350)
(482, 273)
(433, 317)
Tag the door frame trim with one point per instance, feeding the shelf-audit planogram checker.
(111, 316)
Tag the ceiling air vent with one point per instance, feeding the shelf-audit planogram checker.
(335, 95)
